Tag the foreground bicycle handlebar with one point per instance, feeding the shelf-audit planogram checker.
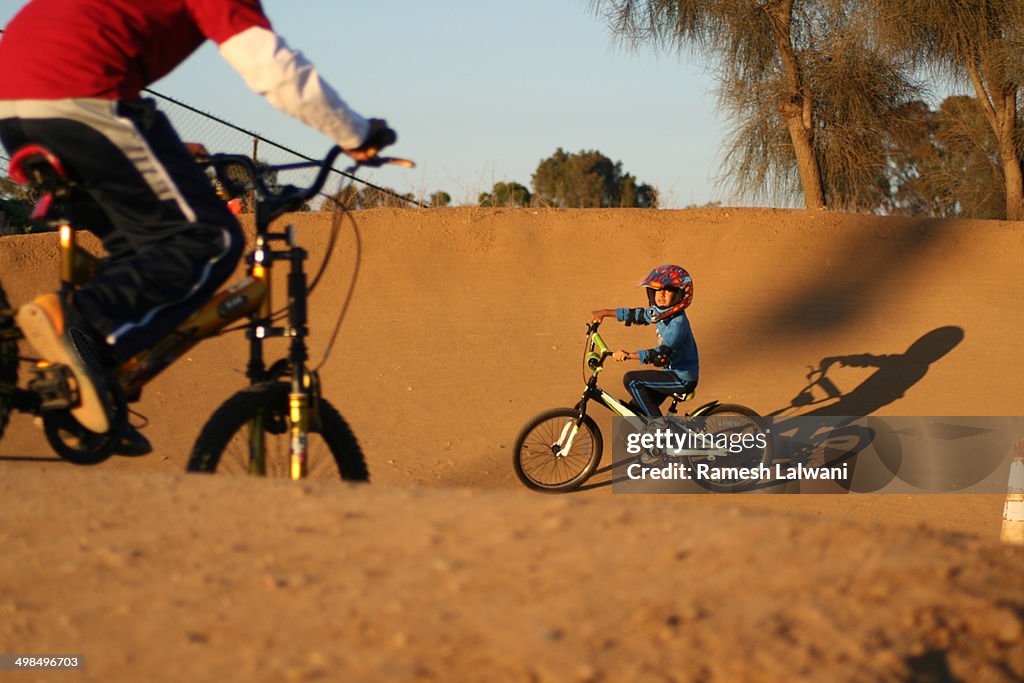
(239, 174)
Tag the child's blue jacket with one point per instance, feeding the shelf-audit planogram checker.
(676, 337)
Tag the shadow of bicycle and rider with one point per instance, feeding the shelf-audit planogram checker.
(894, 375)
(822, 424)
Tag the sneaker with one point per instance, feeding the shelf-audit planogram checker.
(56, 333)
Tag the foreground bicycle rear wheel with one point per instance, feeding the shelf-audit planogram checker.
(555, 454)
(8, 357)
(224, 443)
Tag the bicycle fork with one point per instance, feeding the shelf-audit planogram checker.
(299, 404)
(563, 446)
(305, 386)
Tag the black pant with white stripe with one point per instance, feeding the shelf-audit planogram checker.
(650, 388)
(171, 241)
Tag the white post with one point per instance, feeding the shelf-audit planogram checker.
(1013, 511)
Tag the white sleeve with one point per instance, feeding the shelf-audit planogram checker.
(292, 84)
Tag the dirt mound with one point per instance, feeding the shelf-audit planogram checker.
(464, 323)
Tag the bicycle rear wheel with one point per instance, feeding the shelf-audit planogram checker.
(224, 443)
(752, 448)
(555, 454)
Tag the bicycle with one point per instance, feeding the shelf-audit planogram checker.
(559, 449)
(284, 398)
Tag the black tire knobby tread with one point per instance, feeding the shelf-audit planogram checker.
(8, 360)
(584, 474)
(238, 410)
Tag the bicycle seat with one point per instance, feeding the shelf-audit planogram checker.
(38, 167)
(41, 169)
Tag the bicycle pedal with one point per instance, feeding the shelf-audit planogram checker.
(55, 386)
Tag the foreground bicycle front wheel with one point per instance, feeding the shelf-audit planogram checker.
(260, 414)
(557, 452)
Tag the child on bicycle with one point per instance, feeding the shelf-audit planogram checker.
(669, 292)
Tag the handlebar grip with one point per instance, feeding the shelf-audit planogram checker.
(379, 136)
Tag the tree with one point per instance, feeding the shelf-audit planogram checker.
(589, 179)
(440, 199)
(980, 42)
(947, 164)
(510, 194)
(807, 92)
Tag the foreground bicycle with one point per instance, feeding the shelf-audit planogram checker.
(559, 449)
(264, 429)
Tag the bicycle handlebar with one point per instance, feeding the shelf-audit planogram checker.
(287, 197)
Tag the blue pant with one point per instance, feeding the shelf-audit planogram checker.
(650, 388)
(171, 241)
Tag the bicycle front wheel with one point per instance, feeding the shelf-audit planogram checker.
(259, 417)
(556, 451)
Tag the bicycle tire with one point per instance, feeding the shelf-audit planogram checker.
(536, 452)
(748, 458)
(8, 357)
(226, 434)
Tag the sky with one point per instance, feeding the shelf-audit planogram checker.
(481, 92)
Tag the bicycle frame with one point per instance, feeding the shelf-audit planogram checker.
(250, 296)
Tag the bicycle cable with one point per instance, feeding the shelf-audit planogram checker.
(586, 352)
(332, 239)
(339, 213)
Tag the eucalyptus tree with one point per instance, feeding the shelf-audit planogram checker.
(947, 165)
(588, 179)
(810, 96)
(440, 199)
(979, 43)
(509, 194)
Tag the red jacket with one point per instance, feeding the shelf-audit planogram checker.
(110, 49)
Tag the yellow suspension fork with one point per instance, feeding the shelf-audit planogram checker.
(260, 271)
(302, 403)
(298, 406)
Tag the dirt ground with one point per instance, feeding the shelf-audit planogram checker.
(466, 322)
